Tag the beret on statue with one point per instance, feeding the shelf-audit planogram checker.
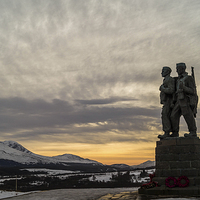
(181, 65)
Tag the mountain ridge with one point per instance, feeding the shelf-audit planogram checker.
(13, 153)
(16, 152)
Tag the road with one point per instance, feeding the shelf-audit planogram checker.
(72, 194)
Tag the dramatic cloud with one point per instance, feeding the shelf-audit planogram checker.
(104, 101)
(19, 114)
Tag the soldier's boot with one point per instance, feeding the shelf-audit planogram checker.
(174, 134)
(166, 134)
(191, 134)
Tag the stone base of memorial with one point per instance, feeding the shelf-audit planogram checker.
(177, 167)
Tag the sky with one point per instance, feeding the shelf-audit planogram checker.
(83, 77)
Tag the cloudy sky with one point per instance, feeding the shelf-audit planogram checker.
(82, 77)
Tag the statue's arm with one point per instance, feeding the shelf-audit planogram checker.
(171, 87)
(190, 88)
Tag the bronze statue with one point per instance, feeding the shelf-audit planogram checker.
(167, 89)
(186, 102)
(179, 97)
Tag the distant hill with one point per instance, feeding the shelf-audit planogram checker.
(121, 167)
(146, 164)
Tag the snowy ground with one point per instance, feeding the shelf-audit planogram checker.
(62, 174)
(71, 193)
(51, 171)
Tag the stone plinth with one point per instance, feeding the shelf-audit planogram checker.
(177, 157)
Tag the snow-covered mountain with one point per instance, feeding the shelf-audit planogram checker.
(146, 164)
(16, 146)
(12, 151)
(13, 154)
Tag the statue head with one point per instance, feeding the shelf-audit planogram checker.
(165, 71)
(180, 68)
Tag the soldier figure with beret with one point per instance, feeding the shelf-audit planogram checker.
(186, 102)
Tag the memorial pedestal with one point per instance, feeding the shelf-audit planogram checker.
(177, 157)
